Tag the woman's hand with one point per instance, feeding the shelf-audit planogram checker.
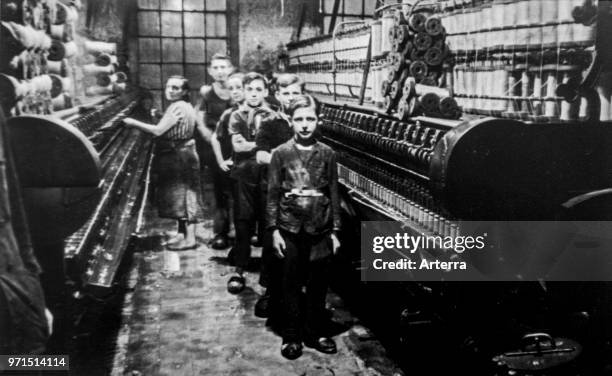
(278, 243)
(335, 243)
(129, 122)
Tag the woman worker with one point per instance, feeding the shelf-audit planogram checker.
(178, 192)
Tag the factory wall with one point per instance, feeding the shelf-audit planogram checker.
(265, 26)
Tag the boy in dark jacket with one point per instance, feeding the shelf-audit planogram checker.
(303, 213)
(248, 205)
(274, 130)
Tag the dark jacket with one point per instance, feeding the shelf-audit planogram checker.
(222, 131)
(241, 123)
(291, 170)
(275, 130)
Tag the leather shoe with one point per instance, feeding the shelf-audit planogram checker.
(235, 284)
(291, 350)
(325, 345)
(262, 306)
(219, 242)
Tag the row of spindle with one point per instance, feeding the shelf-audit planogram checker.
(517, 24)
(38, 43)
(349, 45)
(497, 57)
(401, 199)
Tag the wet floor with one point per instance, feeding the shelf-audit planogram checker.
(179, 319)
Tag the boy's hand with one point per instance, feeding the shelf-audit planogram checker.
(263, 157)
(278, 243)
(226, 165)
(335, 243)
(49, 317)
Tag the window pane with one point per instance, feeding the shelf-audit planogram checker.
(171, 70)
(172, 4)
(149, 50)
(149, 75)
(216, 5)
(195, 51)
(369, 7)
(328, 6)
(352, 7)
(148, 4)
(148, 23)
(157, 99)
(326, 22)
(215, 45)
(172, 50)
(194, 4)
(194, 25)
(171, 24)
(215, 25)
(196, 74)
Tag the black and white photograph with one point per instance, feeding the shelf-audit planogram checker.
(306, 187)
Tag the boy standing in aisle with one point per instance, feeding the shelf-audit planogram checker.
(275, 130)
(221, 140)
(303, 213)
(249, 202)
(214, 100)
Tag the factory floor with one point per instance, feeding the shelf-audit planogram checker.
(178, 319)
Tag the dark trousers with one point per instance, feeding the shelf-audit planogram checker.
(222, 187)
(269, 262)
(268, 257)
(297, 270)
(248, 211)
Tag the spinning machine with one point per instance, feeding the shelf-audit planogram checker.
(451, 111)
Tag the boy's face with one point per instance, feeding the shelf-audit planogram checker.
(286, 94)
(219, 69)
(236, 90)
(255, 92)
(304, 122)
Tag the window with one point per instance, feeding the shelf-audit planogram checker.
(179, 37)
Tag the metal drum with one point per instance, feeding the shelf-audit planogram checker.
(60, 176)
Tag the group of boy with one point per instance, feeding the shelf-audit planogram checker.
(243, 125)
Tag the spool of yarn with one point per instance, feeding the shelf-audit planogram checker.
(105, 90)
(41, 83)
(61, 102)
(376, 30)
(417, 21)
(95, 47)
(105, 59)
(12, 89)
(387, 25)
(93, 69)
